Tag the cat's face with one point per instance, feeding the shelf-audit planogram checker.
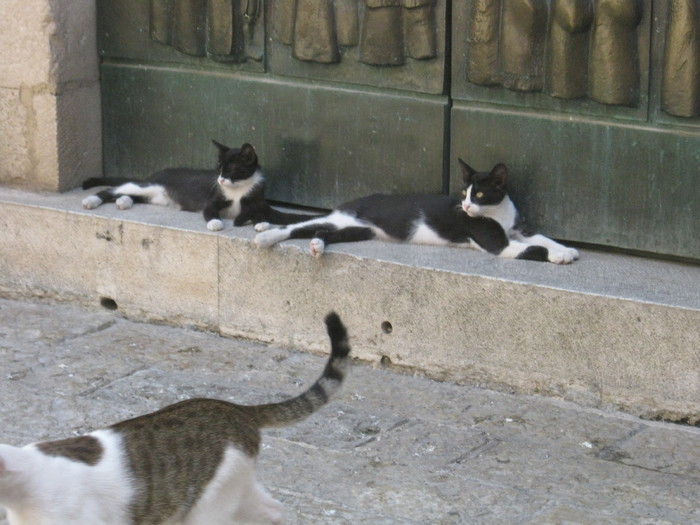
(482, 190)
(236, 164)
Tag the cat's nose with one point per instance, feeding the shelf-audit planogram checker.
(220, 180)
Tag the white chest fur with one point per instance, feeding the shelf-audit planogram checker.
(504, 212)
(236, 190)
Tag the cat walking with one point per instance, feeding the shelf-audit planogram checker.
(485, 219)
(191, 463)
(235, 190)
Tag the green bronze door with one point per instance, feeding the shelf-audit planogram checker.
(593, 104)
(340, 98)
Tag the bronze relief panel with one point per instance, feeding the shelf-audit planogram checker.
(680, 85)
(582, 56)
(631, 59)
(222, 30)
(383, 43)
(205, 33)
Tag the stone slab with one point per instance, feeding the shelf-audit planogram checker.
(388, 449)
(607, 331)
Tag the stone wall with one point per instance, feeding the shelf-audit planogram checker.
(50, 125)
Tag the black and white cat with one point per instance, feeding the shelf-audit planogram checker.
(191, 463)
(236, 190)
(485, 219)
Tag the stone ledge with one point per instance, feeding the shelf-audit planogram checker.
(607, 331)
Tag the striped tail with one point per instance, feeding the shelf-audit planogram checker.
(302, 406)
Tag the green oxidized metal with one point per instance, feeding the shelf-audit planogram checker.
(593, 104)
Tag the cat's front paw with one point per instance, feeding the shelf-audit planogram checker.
(262, 226)
(91, 202)
(560, 256)
(317, 246)
(215, 225)
(124, 202)
(574, 253)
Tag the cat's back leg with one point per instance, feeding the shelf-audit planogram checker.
(490, 237)
(235, 496)
(528, 252)
(99, 198)
(268, 236)
(322, 238)
(125, 195)
(560, 253)
(260, 507)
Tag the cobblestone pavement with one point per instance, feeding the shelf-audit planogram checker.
(389, 449)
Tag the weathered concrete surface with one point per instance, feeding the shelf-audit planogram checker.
(607, 331)
(389, 449)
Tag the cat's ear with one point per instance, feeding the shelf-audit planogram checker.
(467, 171)
(248, 154)
(222, 149)
(499, 174)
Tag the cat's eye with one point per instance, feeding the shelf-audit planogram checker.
(479, 194)
(464, 192)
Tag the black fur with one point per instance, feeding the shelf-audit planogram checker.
(486, 218)
(206, 191)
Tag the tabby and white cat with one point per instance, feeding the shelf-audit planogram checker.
(236, 190)
(191, 463)
(485, 219)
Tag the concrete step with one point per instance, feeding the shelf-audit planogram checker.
(607, 331)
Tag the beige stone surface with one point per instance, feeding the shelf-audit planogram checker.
(155, 273)
(49, 94)
(577, 332)
(595, 350)
(25, 47)
(15, 162)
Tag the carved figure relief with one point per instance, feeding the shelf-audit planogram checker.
(484, 31)
(591, 47)
(223, 30)
(614, 65)
(390, 31)
(566, 68)
(522, 45)
(680, 90)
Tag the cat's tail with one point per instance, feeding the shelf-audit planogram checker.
(297, 408)
(104, 181)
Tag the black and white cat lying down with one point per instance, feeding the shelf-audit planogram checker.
(485, 219)
(191, 463)
(236, 190)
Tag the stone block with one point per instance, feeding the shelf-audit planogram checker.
(25, 43)
(14, 152)
(599, 332)
(151, 273)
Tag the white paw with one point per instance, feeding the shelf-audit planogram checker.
(268, 238)
(262, 226)
(560, 257)
(573, 252)
(215, 225)
(124, 202)
(91, 202)
(317, 246)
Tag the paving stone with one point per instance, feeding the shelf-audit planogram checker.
(389, 449)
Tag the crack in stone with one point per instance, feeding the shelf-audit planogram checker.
(111, 382)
